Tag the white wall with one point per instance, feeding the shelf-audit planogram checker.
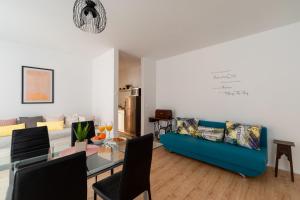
(148, 94)
(72, 76)
(129, 73)
(105, 87)
(129, 70)
(81, 86)
(267, 66)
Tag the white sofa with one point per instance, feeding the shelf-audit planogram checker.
(5, 142)
(57, 139)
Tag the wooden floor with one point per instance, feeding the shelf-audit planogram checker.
(176, 177)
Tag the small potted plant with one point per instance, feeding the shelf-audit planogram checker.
(81, 134)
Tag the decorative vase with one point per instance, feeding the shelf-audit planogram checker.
(80, 146)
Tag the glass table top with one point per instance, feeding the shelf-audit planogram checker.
(109, 155)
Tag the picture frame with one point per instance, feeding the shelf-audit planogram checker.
(37, 85)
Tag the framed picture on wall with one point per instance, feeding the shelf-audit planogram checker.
(37, 85)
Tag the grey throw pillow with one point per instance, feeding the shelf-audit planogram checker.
(30, 122)
(212, 134)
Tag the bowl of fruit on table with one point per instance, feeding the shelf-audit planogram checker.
(98, 139)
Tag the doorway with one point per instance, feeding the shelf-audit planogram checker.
(129, 95)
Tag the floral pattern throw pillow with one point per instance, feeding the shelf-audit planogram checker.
(243, 135)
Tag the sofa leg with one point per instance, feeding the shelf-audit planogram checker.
(242, 175)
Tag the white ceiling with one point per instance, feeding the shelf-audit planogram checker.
(151, 28)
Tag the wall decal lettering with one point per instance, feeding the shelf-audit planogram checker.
(228, 83)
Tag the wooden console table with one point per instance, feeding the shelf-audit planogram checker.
(284, 148)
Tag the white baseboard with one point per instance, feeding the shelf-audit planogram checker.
(283, 168)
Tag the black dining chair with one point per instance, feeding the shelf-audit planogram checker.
(59, 179)
(91, 132)
(28, 143)
(134, 179)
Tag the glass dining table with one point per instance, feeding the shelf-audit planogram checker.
(108, 156)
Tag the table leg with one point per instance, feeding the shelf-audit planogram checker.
(276, 165)
(291, 164)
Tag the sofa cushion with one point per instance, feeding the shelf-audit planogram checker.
(187, 126)
(212, 124)
(5, 142)
(8, 122)
(243, 135)
(221, 152)
(84, 118)
(7, 130)
(70, 119)
(31, 122)
(212, 134)
(66, 132)
(263, 135)
(52, 126)
(54, 118)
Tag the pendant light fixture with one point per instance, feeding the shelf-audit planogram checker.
(89, 15)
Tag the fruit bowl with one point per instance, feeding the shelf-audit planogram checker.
(98, 139)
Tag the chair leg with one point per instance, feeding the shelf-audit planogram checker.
(146, 195)
(95, 195)
(149, 194)
(111, 171)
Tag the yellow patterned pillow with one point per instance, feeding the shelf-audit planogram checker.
(52, 126)
(187, 126)
(7, 130)
(243, 135)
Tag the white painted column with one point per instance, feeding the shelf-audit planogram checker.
(105, 87)
(148, 74)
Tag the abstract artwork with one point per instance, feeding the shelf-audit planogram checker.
(37, 85)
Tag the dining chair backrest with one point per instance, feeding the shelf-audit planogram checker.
(30, 142)
(135, 178)
(59, 179)
(90, 134)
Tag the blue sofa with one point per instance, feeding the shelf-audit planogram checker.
(237, 159)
